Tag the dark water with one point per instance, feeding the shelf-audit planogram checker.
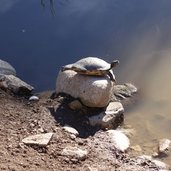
(37, 39)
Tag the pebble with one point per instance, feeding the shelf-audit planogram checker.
(120, 140)
(71, 130)
(34, 98)
(38, 139)
(74, 152)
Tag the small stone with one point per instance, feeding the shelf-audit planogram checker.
(74, 152)
(112, 117)
(75, 105)
(71, 130)
(164, 145)
(120, 140)
(34, 98)
(73, 137)
(41, 130)
(39, 139)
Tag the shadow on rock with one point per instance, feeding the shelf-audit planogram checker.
(77, 119)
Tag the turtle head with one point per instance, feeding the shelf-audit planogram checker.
(114, 63)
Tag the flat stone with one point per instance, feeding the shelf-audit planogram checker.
(15, 84)
(39, 139)
(71, 130)
(91, 90)
(119, 140)
(111, 117)
(74, 152)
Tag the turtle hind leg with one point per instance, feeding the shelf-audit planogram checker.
(112, 76)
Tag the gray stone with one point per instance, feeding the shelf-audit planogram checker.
(14, 84)
(39, 139)
(119, 140)
(71, 130)
(6, 68)
(111, 117)
(164, 146)
(74, 152)
(124, 91)
(91, 90)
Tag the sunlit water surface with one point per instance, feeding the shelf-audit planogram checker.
(38, 38)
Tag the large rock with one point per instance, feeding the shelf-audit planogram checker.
(6, 68)
(91, 90)
(14, 84)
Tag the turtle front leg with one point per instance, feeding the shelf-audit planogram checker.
(112, 76)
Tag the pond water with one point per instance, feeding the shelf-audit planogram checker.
(38, 37)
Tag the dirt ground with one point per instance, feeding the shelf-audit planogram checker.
(20, 118)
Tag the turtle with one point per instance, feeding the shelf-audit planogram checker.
(92, 66)
(6, 68)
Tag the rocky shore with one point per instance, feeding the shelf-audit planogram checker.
(55, 131)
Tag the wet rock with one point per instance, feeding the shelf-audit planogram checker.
(92, 91)
(164, 146)
(71, 130)
(14, 84)
(120, 140)
(75, 105)
(6, 68)
(124, 91)
(74, 152)
(39, 139)
(111, 117)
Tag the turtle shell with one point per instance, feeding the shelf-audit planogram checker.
(6, 68)
(89, 66)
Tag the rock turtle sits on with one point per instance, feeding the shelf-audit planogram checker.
(92, 66)
(6, 68)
